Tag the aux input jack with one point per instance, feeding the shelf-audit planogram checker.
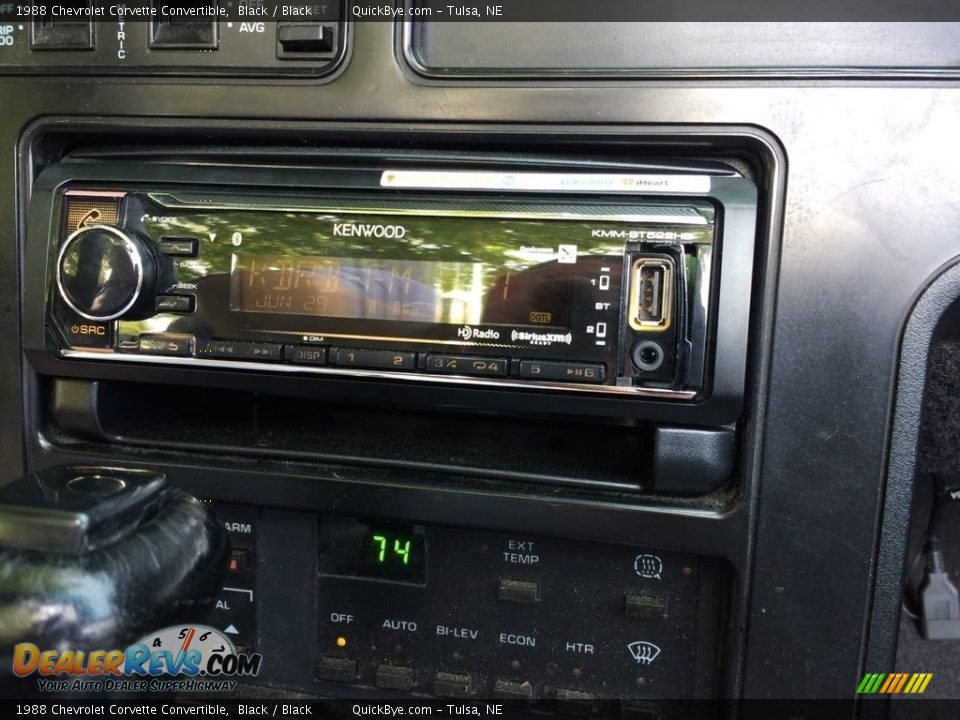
(647, 356)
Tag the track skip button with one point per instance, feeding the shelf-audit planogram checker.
(238, 350)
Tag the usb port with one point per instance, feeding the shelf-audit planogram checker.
(651, 293)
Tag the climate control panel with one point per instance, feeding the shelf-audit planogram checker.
(467, 614)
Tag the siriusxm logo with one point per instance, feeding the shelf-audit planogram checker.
(368, 230)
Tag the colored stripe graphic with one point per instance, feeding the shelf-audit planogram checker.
(870, 683)
(890, 683)
(922, 680)
(894, 683)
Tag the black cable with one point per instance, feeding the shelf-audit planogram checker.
(939, 602)
(911, 604)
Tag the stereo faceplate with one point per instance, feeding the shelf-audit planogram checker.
(604, 284)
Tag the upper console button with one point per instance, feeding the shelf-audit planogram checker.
(64, 33)
(168, 32)
(299, 40)
(104, 273)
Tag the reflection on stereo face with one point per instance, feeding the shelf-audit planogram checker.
(445, 292)
(594, 294)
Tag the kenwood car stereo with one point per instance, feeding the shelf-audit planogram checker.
(572, 281)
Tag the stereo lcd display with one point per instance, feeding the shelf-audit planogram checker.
(447, 270)
(442, 291)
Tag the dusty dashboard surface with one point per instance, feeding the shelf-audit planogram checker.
(516, 366)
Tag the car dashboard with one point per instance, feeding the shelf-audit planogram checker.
(586, 367)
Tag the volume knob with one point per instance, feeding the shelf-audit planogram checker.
(104, 273)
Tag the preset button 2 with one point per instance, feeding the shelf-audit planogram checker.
(376, 359)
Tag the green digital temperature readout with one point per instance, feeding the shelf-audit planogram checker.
(371, 550)
(401, 547)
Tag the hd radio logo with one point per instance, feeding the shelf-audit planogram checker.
(181, 658)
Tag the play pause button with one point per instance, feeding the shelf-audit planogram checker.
(563, 371)
(237, 350)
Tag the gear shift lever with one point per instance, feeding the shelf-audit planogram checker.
(94, 557)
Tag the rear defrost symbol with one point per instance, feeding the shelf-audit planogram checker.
(643, 652)
(648, 566)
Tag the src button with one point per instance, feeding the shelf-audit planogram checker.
(84, 333)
